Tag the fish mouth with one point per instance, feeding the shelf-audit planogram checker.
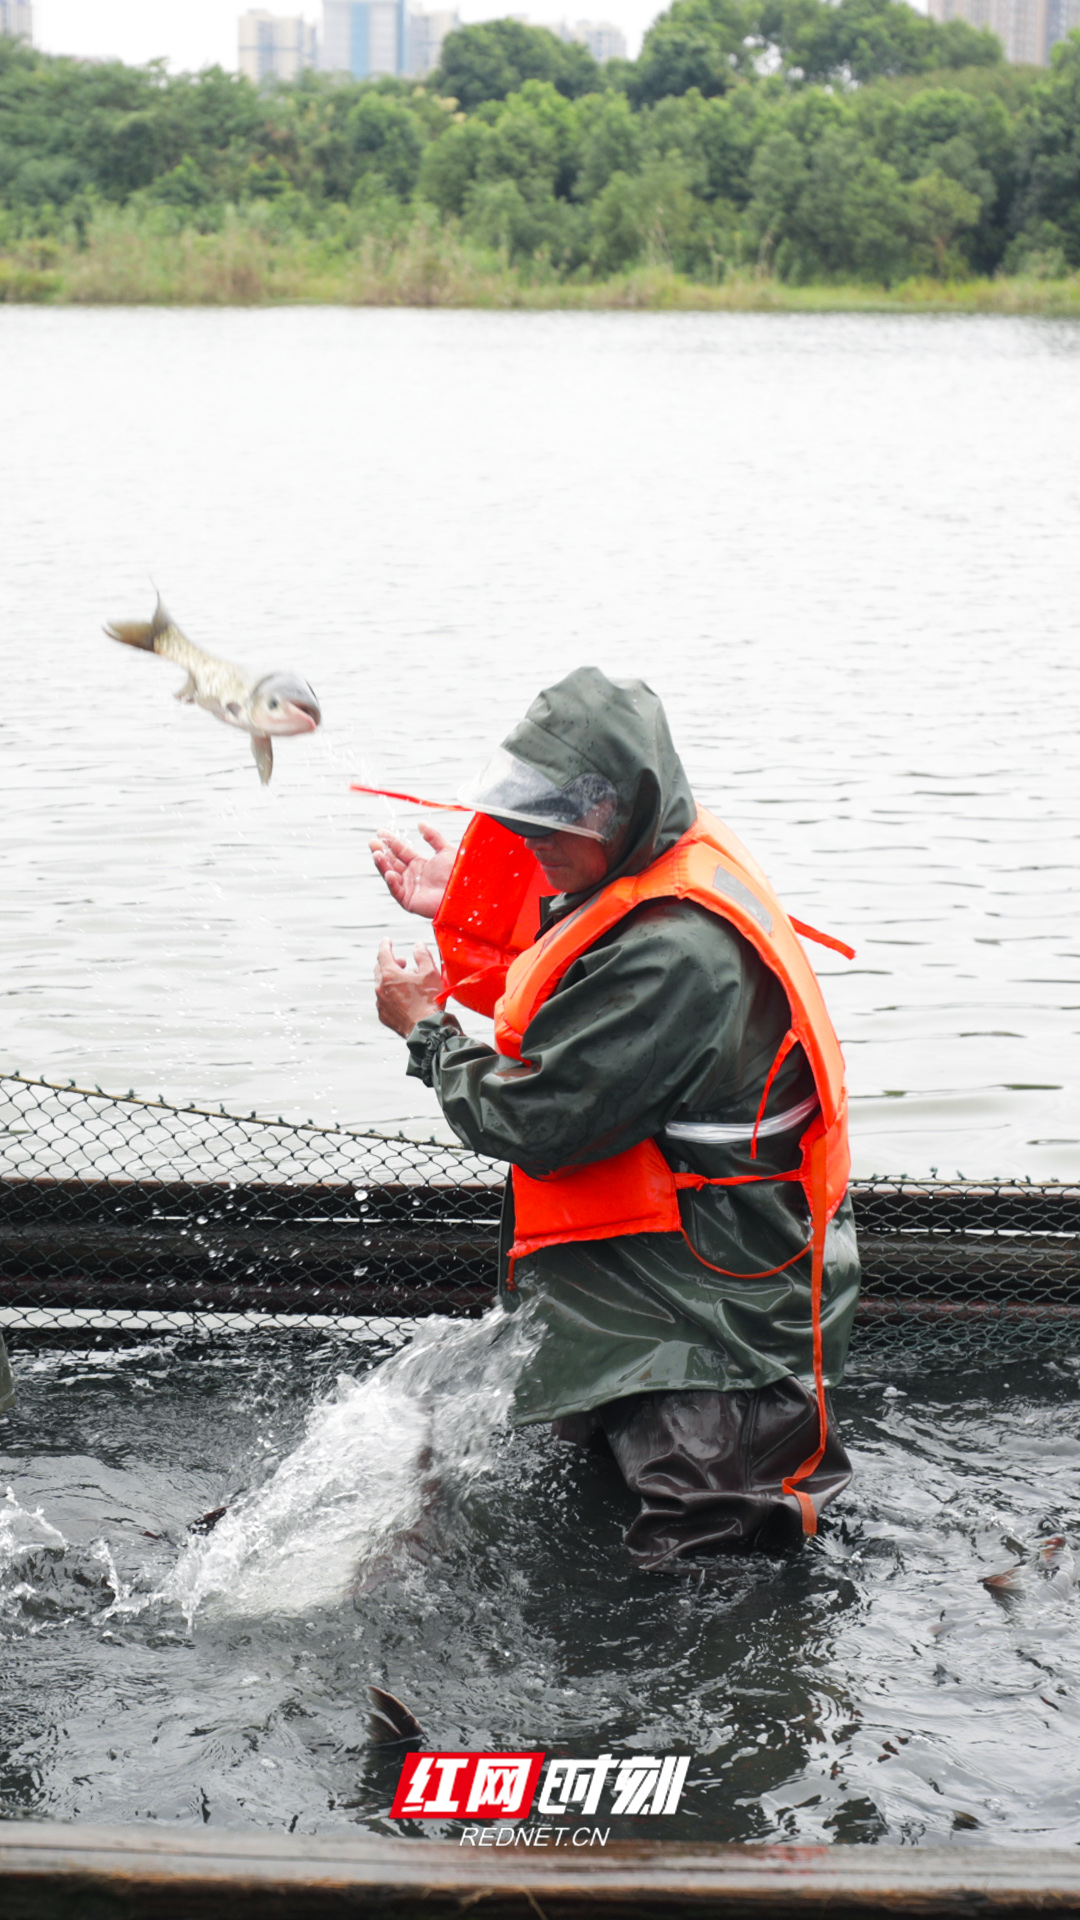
(300, 717)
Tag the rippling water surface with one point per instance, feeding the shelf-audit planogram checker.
(844, 552)
(871, 1689)
(843, 549)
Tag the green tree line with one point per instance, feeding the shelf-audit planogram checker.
(816, 139)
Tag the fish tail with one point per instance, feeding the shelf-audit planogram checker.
(390, 1723)
(141, 633)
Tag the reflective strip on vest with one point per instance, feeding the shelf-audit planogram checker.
(721, 1133)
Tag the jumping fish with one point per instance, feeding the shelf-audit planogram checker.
(278, 703)
(1051, 1558)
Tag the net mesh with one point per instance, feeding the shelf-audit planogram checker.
(126, 1216)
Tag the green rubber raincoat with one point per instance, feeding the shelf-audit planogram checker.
(671, 1017)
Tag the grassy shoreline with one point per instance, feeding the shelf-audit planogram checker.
(124, 265)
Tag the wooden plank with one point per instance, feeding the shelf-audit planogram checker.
(450, 1293)
(56, 1244)
(936, 1265)
(327, 1248)
(341, 1245)
(124, 1201)
(52, 1872)
(955, 1207)
(880, 1207)
(404, 1270)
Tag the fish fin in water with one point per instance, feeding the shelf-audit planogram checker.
(390, 1724)
(206, 1521)
(187, 692)
(1009, 1581)
(262, 748)
(141, 633)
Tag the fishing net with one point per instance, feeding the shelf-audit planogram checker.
(123, 1216)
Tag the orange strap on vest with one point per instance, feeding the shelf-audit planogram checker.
(637, 1191)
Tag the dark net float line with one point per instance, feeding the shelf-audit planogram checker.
(125, 1213)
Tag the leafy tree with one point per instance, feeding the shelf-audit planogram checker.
(825, 138)
(539, 227)
(835, 213)
(1047, 212)
(969, 139)
(450, 165)
(533, 141)
(489, 62)
(384, 142)
(722, 135)
(185, 186)
(943, 211)
(266, 180)
(655, 216)
(854, 214)
(864, 40)
(112, 129)
(608, 141)
(777, 181)
(696, 43)
(911, 135)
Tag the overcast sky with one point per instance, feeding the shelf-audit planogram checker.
(197, 33)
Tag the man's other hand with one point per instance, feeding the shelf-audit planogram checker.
(416, 880)
(404, 995)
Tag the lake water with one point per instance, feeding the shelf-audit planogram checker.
(869, 1689)
(843, 549)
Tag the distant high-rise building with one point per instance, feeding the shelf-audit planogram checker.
(17, 19)
(274, 45)
(1062, 17)
(1027, 29)
(427, 31)
(365, 37)
(604, 41)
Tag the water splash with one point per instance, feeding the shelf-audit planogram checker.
(373, 1459)
(19, 1529)
(23, 1536)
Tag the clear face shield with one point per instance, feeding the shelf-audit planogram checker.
(527, 802)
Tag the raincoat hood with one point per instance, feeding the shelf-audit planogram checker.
(588, 727)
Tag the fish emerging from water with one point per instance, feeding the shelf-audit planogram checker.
(1050, 1559)
(278, 703)
(390, 1722)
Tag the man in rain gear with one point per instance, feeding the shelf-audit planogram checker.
(689, 1353)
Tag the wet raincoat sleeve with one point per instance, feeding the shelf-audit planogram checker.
(664, 1014)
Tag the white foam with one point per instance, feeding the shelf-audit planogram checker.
(363, 1474)
(22, 1533)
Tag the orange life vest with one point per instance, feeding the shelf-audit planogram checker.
(482, 927)
(710, 866)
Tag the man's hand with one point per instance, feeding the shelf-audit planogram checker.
(416, 880)
(402, 996)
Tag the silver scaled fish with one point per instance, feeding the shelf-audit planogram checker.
(278, 703)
